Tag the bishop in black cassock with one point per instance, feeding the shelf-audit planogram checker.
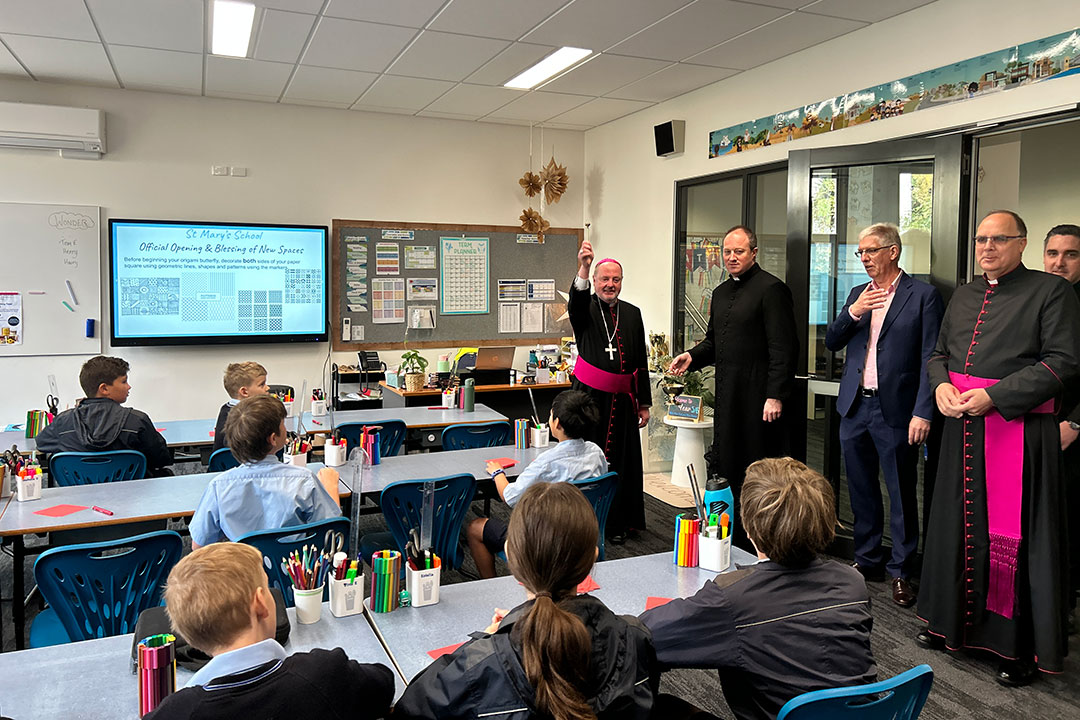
(611, 338)
(994, 568)
(751, 339)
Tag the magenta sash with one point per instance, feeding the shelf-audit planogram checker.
(604, 381)
(1004, 457)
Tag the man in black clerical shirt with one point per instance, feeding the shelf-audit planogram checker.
(751, 339)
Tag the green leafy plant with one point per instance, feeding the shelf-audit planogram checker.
(698, 383)
(412, 362)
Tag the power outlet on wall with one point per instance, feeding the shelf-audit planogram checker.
(219, 169)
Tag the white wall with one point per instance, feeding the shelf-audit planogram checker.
(629, 192)
(306, 165)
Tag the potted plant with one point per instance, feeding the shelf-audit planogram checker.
(413, 366)
(695, 382)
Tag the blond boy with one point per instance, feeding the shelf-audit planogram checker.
(218, 600)
(242, 380)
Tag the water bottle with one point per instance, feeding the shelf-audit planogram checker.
(719, 498)
(469, 396)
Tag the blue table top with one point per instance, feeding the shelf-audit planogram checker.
(93, 679)
(464, 608)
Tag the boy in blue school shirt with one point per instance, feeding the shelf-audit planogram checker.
(263, 493)
(242, 380)
(218, 600)
(573, 414)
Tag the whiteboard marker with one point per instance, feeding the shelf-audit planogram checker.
(71, 292)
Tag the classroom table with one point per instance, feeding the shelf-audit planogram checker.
(132, 501)
(93, 679)
(463, 608)
(449, 462)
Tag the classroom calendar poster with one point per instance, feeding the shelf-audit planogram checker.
(463, 267)
(10, 318)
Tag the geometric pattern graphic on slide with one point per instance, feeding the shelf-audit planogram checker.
(303, 286)
(150, 296)
(258, 310)
(207, 296)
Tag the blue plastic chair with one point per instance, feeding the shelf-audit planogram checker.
(391, 436)
(221, 460)
(97, 590)
(401, 506)
(898, 698)
(275, 546)
(79, 468)
(600, 492)
(476, 435)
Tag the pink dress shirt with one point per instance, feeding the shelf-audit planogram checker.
(877, 317)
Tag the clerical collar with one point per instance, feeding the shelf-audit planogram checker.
(746, 275)
(1007, 277)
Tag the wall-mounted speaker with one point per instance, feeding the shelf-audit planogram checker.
(669, 137)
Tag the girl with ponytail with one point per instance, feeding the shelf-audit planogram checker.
(559, 655)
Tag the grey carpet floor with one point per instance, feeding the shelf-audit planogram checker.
(964, 686)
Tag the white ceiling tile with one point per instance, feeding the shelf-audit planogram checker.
(310, 7)
(862, 10)
(603, 74)
(242, 77)
(328, 85)
(445, 56)
(785, 36)
(162, 24)
(146, 69)
(600, 111)
(48, 18)
(410, 13)
(281, 35)
(476, 100)
(695, 28)
(506, 19)
(538, 106)
(62, 60)
(403, 92)
(9, 66)
(671, 82)
(509, 63)
(599, 24)
(351, 45)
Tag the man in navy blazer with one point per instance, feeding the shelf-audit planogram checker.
(889, 326)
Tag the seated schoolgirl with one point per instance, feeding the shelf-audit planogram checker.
(558, 655)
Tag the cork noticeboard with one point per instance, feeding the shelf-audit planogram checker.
(448, 285)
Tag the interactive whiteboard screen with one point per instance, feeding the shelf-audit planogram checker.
(192, 283)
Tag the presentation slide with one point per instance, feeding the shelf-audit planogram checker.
(189, 281)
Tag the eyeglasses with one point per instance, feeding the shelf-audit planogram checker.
(995, 239)
(870, 251)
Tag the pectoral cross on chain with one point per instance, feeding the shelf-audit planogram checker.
(610, 351)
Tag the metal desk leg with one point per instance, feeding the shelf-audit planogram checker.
(18, 591)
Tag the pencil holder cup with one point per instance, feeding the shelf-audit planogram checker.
(522, 431)
(543, 376)
(5, 482)
(156, 664)
(385, 581)
(334, 455)
(289, 407)
(299, 460)
(308, 605)
(28, 488)
(318, 408)
(687, 539)
(448, 398)
(541, 436)
(713, 553)
(561, 377)
(423, 585)
(346, 596)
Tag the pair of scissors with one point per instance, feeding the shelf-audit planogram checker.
(52, 403)
(333, 542)
(13, 459)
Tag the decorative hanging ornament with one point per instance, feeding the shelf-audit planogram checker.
(531, 222)
(530, 181)
(555, 181)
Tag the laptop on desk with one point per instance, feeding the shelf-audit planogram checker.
(492, 366)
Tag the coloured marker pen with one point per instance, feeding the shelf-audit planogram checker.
(102, 510)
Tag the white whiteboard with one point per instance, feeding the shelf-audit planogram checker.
(41, 247)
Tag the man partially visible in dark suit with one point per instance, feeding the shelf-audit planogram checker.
(889, 326)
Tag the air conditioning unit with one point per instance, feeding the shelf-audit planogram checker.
(75, 132)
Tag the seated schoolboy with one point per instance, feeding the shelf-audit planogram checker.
(558, 655)
(573, 416)
(793, 622)
(100, 422)
(262, 493)
(218, 600)
(242, 380)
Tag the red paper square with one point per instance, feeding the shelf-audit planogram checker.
(439, 652)
(60, 510)
(587, 585)
(504, 462)
(653, 601)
